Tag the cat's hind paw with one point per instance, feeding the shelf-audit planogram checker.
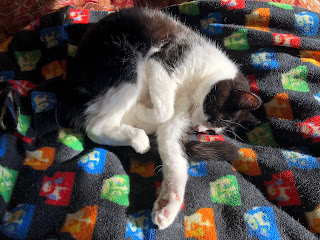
(140, 142)
(165, 209)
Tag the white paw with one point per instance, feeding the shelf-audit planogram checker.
(140, 142)
(166, 207)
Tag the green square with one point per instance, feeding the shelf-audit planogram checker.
(281, 5)
(262, 135)
(116, 189)
(296, 79)
(28, 60)
(23, 123)
(71, 139)
(190, 8)
(225, 190)
(8, 179)
(72, 50)
(237, 40)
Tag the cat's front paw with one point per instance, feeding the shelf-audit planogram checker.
(140, 142)
(166, 207)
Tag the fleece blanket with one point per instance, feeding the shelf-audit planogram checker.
(56, 184)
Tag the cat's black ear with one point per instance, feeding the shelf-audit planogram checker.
(247, 100)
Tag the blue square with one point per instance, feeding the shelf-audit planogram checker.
(212, 24)
(140, 226)
(3, 145)
(300, 160)
(317, 97)
(15, 224)
(7, 75)
(43, 101)
(265, 59)
(197, 169)
(261, 223)
(54, 36)
(307, 23)
(94, 161)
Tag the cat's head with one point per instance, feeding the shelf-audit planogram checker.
(227, 104)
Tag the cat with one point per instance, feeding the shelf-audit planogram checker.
(138, 72)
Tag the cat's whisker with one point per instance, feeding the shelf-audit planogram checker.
(233, 122)
(160, 169)
(231, 129)
(159, 166)
(223, 121)
(235, 135)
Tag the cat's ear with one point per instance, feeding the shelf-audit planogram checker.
(247, 100)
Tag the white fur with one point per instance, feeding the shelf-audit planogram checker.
(163, 104)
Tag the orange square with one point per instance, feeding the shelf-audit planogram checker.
(144, 169)
(279, 107)
(259, 19)
(200, 225)
(52, 70)
(40, 159)
(81, 223)
(247, 162)
(310, 56)
(4, 45)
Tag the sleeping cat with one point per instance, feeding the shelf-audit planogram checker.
(139, 72)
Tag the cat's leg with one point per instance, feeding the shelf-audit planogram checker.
(104, 120)
(162, 90)
(120, 135)
(175, 171)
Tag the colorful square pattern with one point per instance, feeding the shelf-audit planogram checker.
(57, 189)
(200, 225)
(94, 161)
(225, 190)
(15, 223)
(247, 162)
(8, 179)
(140, 226)
(80, 224)
(261, 223)
(116, 189)
(282, 189)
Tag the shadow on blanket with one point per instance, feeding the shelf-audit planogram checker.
(270, 191)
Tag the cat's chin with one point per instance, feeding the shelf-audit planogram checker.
(207, 127)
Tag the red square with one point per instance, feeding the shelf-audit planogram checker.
(210, 138)
(233, 4)
(22, 87)
(282, 188)
(57, 189)
(79, 15)
(286, 40)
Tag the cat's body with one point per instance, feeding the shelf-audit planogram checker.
(141, 72)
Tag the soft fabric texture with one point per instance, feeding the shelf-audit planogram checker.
(16, 14)
(55, 183)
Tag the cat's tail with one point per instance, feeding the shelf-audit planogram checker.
(208, 151)
(197, 151)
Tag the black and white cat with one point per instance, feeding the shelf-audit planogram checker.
(140, 72)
